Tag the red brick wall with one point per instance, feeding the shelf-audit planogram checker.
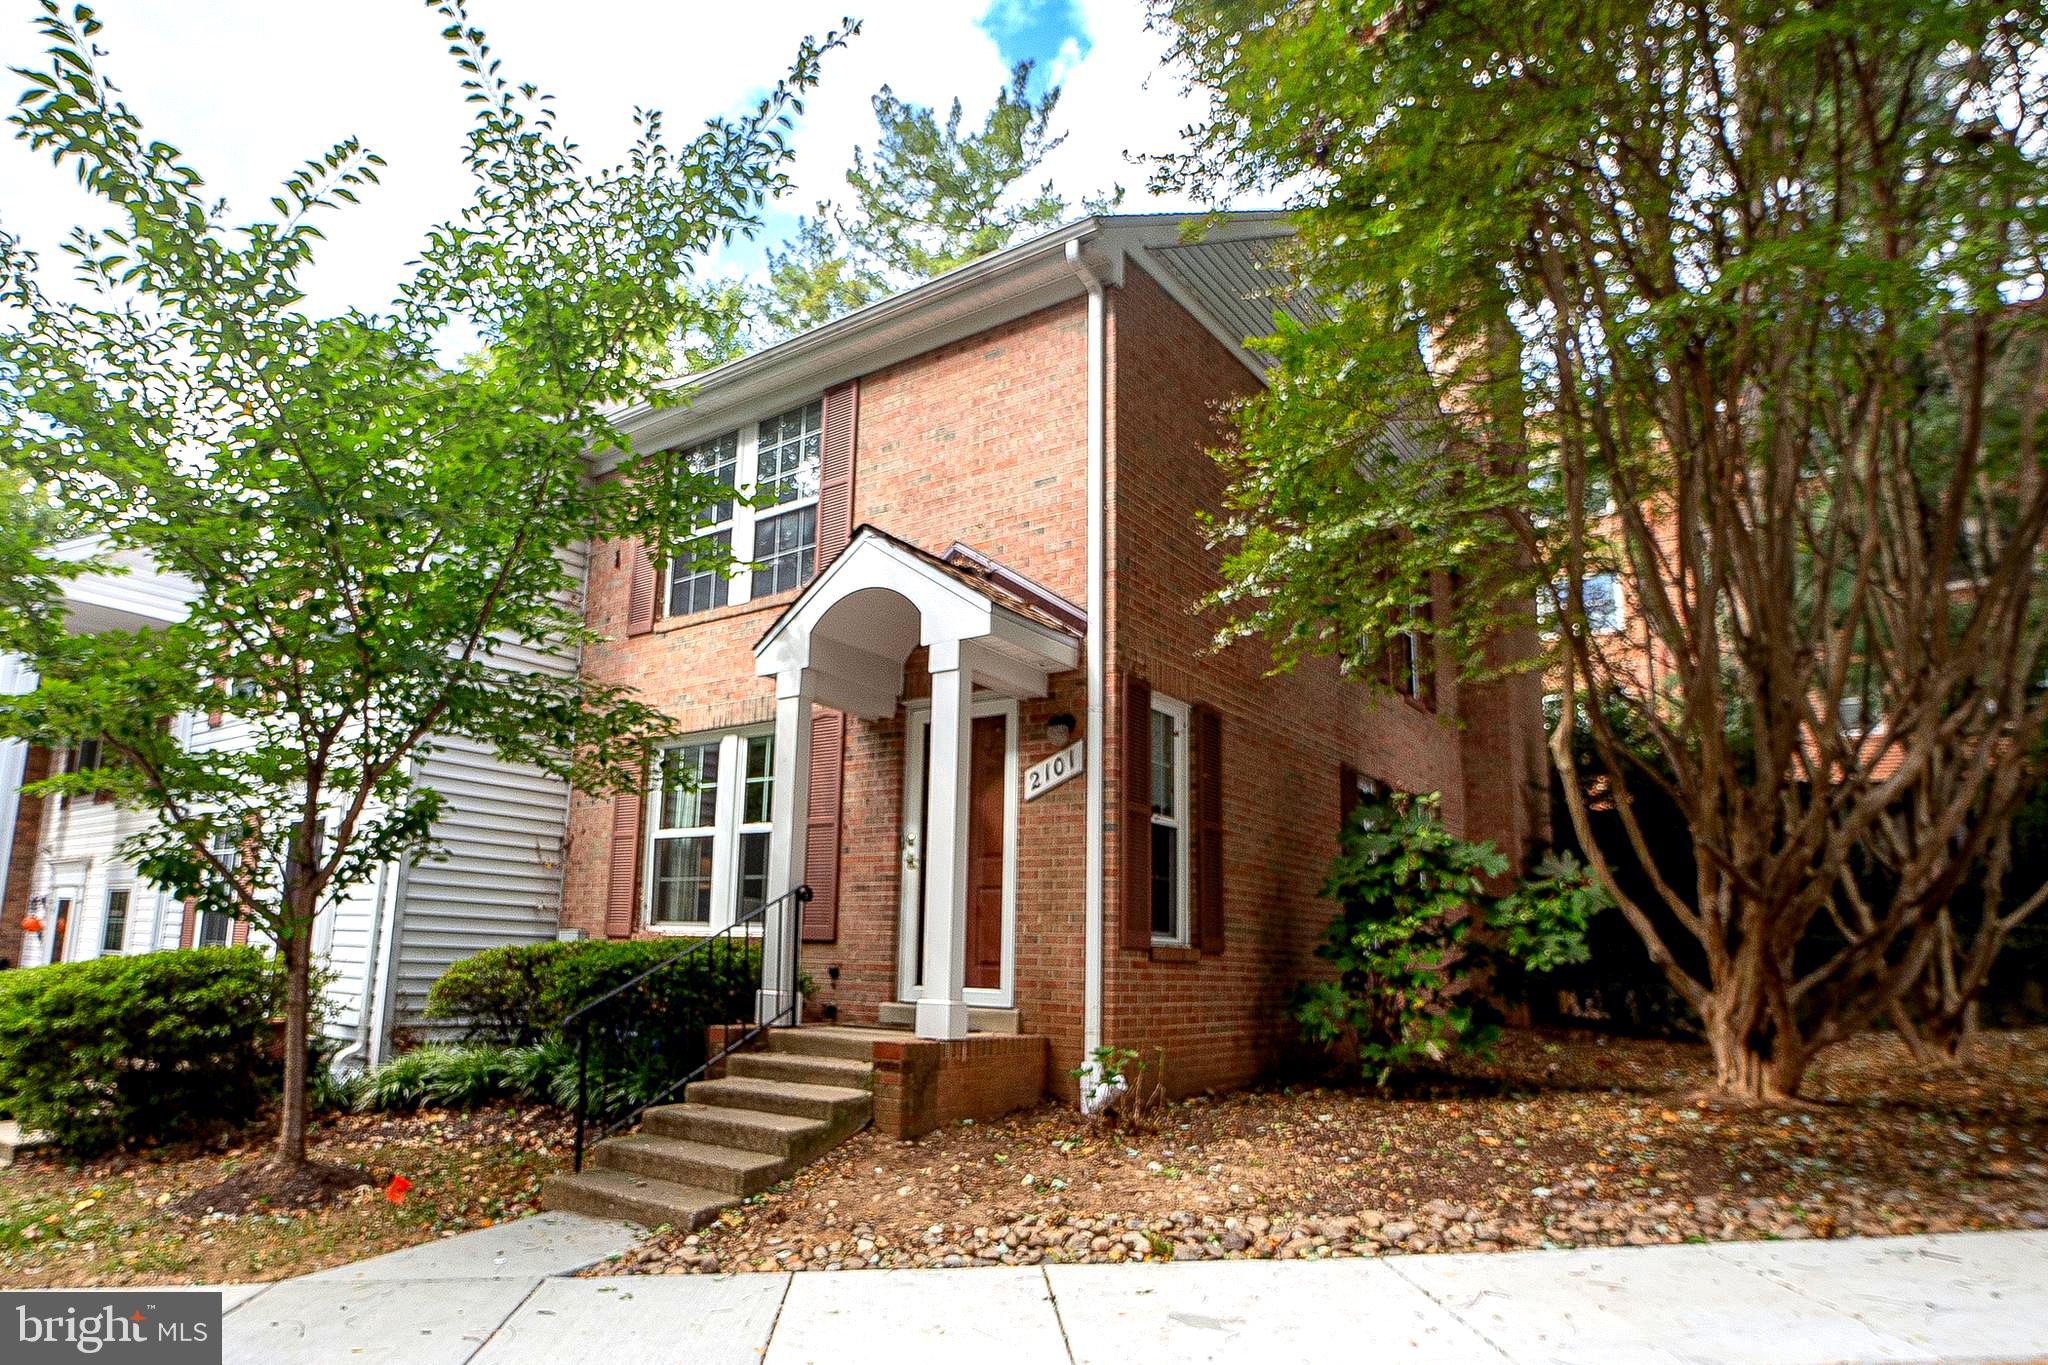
(983, 441)
(1202, 1020)
(922, 1085)
(28, 824)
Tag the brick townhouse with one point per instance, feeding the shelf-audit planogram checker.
(966, 691)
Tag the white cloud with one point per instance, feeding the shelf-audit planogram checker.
(250, 88)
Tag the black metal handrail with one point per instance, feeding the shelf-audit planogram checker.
(580, 1023)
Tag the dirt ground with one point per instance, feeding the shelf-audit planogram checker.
(1564, 1140)
(145, 1219)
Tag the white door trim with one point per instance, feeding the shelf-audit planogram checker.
(917, 718)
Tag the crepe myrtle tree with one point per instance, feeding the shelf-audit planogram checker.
(1739, 301)
(368, 532)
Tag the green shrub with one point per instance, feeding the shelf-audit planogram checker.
(124, 1049)
(465, 1075)
(521, 994)
(637, 1049)
(1410, 971)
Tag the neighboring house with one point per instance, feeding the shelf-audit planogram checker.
(976, 545)
(497, 878)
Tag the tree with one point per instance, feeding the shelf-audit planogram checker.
(925, 199)
(368, 532)
(1764, 277)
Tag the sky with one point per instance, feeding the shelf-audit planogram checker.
(248, 89)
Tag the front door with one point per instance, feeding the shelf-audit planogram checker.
(60, 928)
(989, 822)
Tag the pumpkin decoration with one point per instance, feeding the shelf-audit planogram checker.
(32, 924)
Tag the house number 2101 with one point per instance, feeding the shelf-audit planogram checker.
(1042, 777)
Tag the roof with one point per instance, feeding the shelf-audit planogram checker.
(975, 571)
(1216, 265)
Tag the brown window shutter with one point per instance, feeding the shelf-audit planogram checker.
(1425, 649)
(622, 882)
(1208, 812)
(821, 830)
(1134, 832)
(240, 937)
(835, 471)
(1347, 795)
(188, 926)
(640, 596)
(828, 727)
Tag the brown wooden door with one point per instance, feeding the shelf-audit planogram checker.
(985, 857)
(986, 767)
(61, 928)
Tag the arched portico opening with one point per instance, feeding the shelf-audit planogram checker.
(843, 644)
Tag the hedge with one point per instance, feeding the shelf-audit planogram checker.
(128, 1049)
(521, 995)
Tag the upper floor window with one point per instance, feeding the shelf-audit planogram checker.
(1602, 599)
(712, 808)
(772, 464)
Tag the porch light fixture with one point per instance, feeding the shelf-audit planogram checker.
(1060, 728)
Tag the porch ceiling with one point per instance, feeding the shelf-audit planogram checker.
(852, 628)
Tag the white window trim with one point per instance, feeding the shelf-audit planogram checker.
(1620, 606)
(726, 829)
(742, 522)
(107, 914)
(909, 948)
(1183, 718)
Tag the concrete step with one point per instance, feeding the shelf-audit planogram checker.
(836, 1104)
(605, 1193)
(730, 1170)
(795, 1066)
(980, 1018)
(752, 1130)
(851, 1044)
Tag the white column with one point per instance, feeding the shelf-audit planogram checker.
(941, 1009)
(790, 813)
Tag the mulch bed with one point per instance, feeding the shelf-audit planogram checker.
(266, 1188)
(1564, 1140)
(213, 1212)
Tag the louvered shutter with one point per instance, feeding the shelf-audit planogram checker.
(1208, 822)
(828, 727)
(622, 880)
(1134, 823)
(835, 471)
(821, 832)
(640, 595)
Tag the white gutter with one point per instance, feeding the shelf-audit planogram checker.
(1094, 1094)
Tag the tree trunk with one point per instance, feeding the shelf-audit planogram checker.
(1751, 1065)
(298, 959)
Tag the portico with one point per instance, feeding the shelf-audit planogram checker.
(843, 644)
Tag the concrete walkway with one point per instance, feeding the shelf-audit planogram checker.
(498, 1297)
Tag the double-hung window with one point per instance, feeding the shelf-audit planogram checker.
(712, 803)
(770, 525)
(1169, 820)
(216, 928)
(114, 936)
(693, 588)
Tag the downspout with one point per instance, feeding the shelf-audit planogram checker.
(1094, 1094)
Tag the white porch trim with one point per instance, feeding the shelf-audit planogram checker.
(843, 644)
